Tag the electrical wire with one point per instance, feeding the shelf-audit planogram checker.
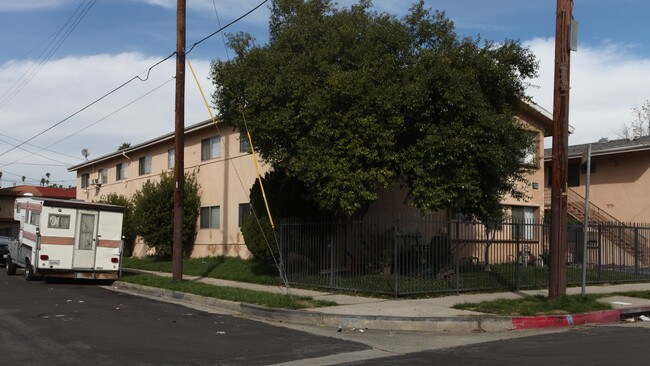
(92, 124)
(137, 77)
(33, 153)
(49, 51)
(221, 29)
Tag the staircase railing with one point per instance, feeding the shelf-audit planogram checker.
(634, 245)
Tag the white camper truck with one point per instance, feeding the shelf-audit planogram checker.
(70, 239)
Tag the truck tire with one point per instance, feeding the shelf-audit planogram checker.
(10, 266)
(29, 271)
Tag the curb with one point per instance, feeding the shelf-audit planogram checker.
(469, 323)
(473, 323)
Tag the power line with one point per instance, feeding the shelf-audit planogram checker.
(225, 26)
(90, 125)
(49, 51)
(33, 153)
(38, 147)
(134, 78)
(91, 104)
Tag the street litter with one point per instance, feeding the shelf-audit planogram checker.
(340, 329)
(220, 332)
(644, 318)
(629, 320)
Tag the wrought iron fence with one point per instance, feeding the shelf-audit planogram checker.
(415, 255)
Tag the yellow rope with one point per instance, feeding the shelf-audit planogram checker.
(250, 141)
(201, 91)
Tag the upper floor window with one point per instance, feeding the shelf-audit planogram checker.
(244, 144)
(85, 180)
(121, 171)
(103, 176)
(144, 165)
(171, 157)
(210, 148)
(530, 153)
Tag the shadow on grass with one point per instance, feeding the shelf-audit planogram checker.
(217, 262)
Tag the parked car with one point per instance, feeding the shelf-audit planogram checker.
(4, 247)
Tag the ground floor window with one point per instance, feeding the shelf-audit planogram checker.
(210, 217)
(523, 222)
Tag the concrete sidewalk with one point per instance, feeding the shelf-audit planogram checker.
(431, 314)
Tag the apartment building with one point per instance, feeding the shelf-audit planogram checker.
(224, 168)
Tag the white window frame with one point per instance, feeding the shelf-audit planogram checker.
(523, 222)
(121, 171)
(102, 174)
(171, 158)
(211, 148)
(210, 217)
(144, 165)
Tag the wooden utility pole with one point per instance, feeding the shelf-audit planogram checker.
(558, 239)
(179, 143)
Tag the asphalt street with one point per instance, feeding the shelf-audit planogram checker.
(68, 323)
(602, 345)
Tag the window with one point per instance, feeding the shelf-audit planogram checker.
(58, 221)
(17, 207)
(530, 153)
(244, 212)
(85, 178)
(592, 168)
(144, 165)
(244, 144)
(210, 217)
(34, 218)
(171, 157)
(121, 171)
(573, 179)
(103, 176)
(210, 148)
(523, 222)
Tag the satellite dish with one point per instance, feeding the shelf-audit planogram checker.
(85, 153)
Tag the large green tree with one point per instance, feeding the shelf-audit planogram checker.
(154, 213)
(349, 101)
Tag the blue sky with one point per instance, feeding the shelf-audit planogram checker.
(118, 39)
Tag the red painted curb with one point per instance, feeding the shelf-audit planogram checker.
(552, 321)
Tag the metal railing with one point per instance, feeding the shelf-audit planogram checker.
(416, 255)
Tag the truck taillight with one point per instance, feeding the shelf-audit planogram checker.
(115, 260)
(44, 257)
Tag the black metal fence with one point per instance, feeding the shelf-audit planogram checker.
(416, 255)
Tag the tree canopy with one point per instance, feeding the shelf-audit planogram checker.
(349, 101)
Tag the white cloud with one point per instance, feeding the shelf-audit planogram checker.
(66, 85)
(606, 82)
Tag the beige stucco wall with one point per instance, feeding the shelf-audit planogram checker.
(534, 188)
(620, 185)
(225, 182)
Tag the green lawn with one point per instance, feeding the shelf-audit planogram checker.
(538, 305)
(268, 299)
(227, 268)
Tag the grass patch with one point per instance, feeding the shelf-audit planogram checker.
(637, 294)
(538, 305)
(271, 300)
(227, 268)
